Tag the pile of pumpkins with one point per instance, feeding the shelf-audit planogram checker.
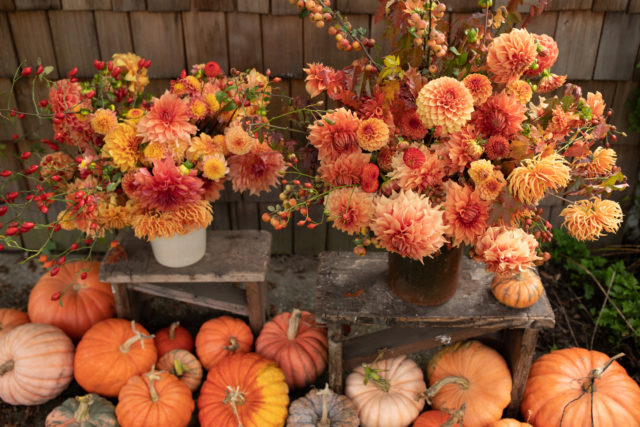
(153, 376)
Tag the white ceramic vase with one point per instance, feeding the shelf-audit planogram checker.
(180, 251)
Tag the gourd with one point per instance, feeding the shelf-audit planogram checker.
(323, 408)
(222, 337)
(183, 365)
(90, 410)
(10, 318)
(172, 338)
(517, 290)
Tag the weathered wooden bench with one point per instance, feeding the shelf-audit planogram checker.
(353, 290)
(231, 276)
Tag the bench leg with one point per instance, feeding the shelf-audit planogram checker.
(125, 301)
(520, 346)
(256, 304)
(335, 356)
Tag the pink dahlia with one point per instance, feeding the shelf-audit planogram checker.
(510, 55)
(501, 114)
(465, 213)
(350, 209)
(505, 249)
(407, 224)
(335, 134)
(345, 170)
(167, 121)
(427, 175)
(462, 148)
(445, 102)
(256, 171)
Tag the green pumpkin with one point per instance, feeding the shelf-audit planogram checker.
(323, 409)
(83, 411)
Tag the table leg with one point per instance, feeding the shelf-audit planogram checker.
(124, 300)
(256, 304)
(334, 331)
(520, 348)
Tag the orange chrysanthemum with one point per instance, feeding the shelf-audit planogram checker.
(465, 214)
(551, 83)
(497, 147)
(113, 216)
(479, 86)
(411, 126)
(505, 249)
(203, 145)
(406, 223)
(103, 121)
(501, 114)
(121, 144)
(462, 148)
(596, 103)
(372, 134)
(335, 134)
(151, 224)
(350, 209)
(529, 182)
(490, 188)
(256, 171)
(547, 55)
(428, 175)
(445, 102)
(238, 141)
(345, 170)
(521, 90)
(603, 162)
(510, 55)
(608, 213)
(560, 123)
(168, 121)
(480, 170)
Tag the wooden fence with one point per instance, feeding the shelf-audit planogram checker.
(598, 42)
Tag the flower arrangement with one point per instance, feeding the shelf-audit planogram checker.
(452, 139)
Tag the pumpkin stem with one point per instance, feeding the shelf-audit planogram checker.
(294, 323)
(234, 398)
(324, 420)
(6, 367)
(372, 374)
(153, 376)
(81, 414)
(456, 417)
(172, 330)
(429, 393)
(138, 336)
(233, 345)
(597, 373)
(178, 367)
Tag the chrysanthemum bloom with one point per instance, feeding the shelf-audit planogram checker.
(596, 103)
(445, 102)
(506, 250)
(465, 214)
(501, 114)
(581, 221)
(220, 144)
(335, 134)
(66, 97)
(213, 106)
(372, 134)
(256, 171)
(462, 148)
(134, 115)
(490, 188)
(608, 213)
(150, 224)
(480, 170)
(153, 151)
(202, 145)
(603, 162)
(121, 144)
(406, 223)
(214, 167)
(497, 147)
(198, 109)
(350, 209)
(59, 163)
(480, 87)
(427, 176)
(113, 216)
(238, 141)
(212, 69)
(521, 90)
(560, 124)
(193, 84)
(369, 178)
(410, 125)
(136, 76)
(345, 170)
(212, 189)
(529, 182)
(166, 189)
(547, 55)
(317, 79)
(510, 55)
(167, 121)
(551, 83)
(102, 121)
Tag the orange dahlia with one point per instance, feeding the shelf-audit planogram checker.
(480, 170)
(521, 90)
(200, 146)
(529, 181)
(428, 175)
(510, 55)
(596, 103)
(350, 209)
(168, 121)
(238, 141)
(497, 147)
(103, 121)
(335, 134)
(490, 188)
(501, 114)
(479, 86)
(411, 126)
(547, 54)
(505, 249)
(465, 214)
(214, 167)
(603, 162)
(256, 171)
(317, 79)
(345, 170)
(462, 148)
(550, 83)
(372, 134)
(445, 102)
(121, 144)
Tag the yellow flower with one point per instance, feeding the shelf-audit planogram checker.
(153, 151)
(103, 121)
(201, 145)
(193, 83)
(121, 144)
(134, 115)
(179, 88)
(529, 181)
(372, 134)
(212, 102)
(113, 216)
(220, 145)
(136, 76)
(198, 109)
(520, 90)
(480, 170)
(215, 167)
(490, 188)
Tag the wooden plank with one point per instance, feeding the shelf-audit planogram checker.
(270, 196)
(280, 100)
(123, 298)
(166, 48)
(338, 241)
(9, 128)
(283, 7)
(281, 240)
(634, 6)
(577, 55)
(156, 87)
(37, 4)
(66, 29)
(128, 5)
(244, 215)
(228, 195)
(610, 5)
(309, 242)
(606, 88)
(7, 5)
(335, 356)
(359, 6)
(217, 5)
(221, 216)
(32, 38)
(618, 47)
(205, 34)
(282, 40)
(245, 47)
(257, 305)
(34, 128)
(570, 5)
(319, 46)
(255, 6)
(168, 5)
(86, 4)
(114, 35)
(544, 24)
(620, 105)
(521, 346)
(465, 6)
(8, 61)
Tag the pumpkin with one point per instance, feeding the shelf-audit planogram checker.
(568, 387)
(470, 373)
(172, 338)
(183, 365)
(244, 389)
(69, 302)
(221, 337)
(36, 364)
(385, 392)
(323, 408)
(435, 418)
(10, 318)
(110, 353)
(517, 290)
(297, 344)
(83, 411)
(154, 399)
(510, 422)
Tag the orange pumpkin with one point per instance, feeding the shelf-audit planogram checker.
(244, 389)
(510, 422)
(222, 337)
(434, 418)
(110, 353)
(297, 344)
(517, 290)
(36, 364)
(80, 411)
(567, 387)
(10, 318)
(470, 373)
(69, 302)
(183, 365)
(155, 399)
(172, 338)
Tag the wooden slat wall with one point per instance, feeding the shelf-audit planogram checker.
(598, 42)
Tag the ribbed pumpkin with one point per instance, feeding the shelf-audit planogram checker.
(154, 399)
(36, 364)
(510, 422)
(110, 353)
(470, 373)
(173, 338)
(244, 389)
(434, 418)
(183, 365)
(221, 337)
(10, 318)
(517, 290)
(564, 387)
(90, 410)
(385, 392)
(323, 408)
(81, 303)
(297, 344)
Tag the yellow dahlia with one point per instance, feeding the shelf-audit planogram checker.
(529, 181)
(603, 162)
(198, 109)
(121, 144)
(212, 102)
(480, 170)
(372, 134)
(134, 115)
(510, 55)
(445, 102)
(238, 140)
(479, 86)
(521, 90)
(113, 216)
(103, 121)
(214, 167)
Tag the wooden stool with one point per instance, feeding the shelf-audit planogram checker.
(232, 258)
(354, 290)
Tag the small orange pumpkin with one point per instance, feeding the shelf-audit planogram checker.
(222, 337)
(173, 338)
(517, 290)
(183, 365)
(435, 418)
(297, 344)
(510, 422)
(10, 318)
